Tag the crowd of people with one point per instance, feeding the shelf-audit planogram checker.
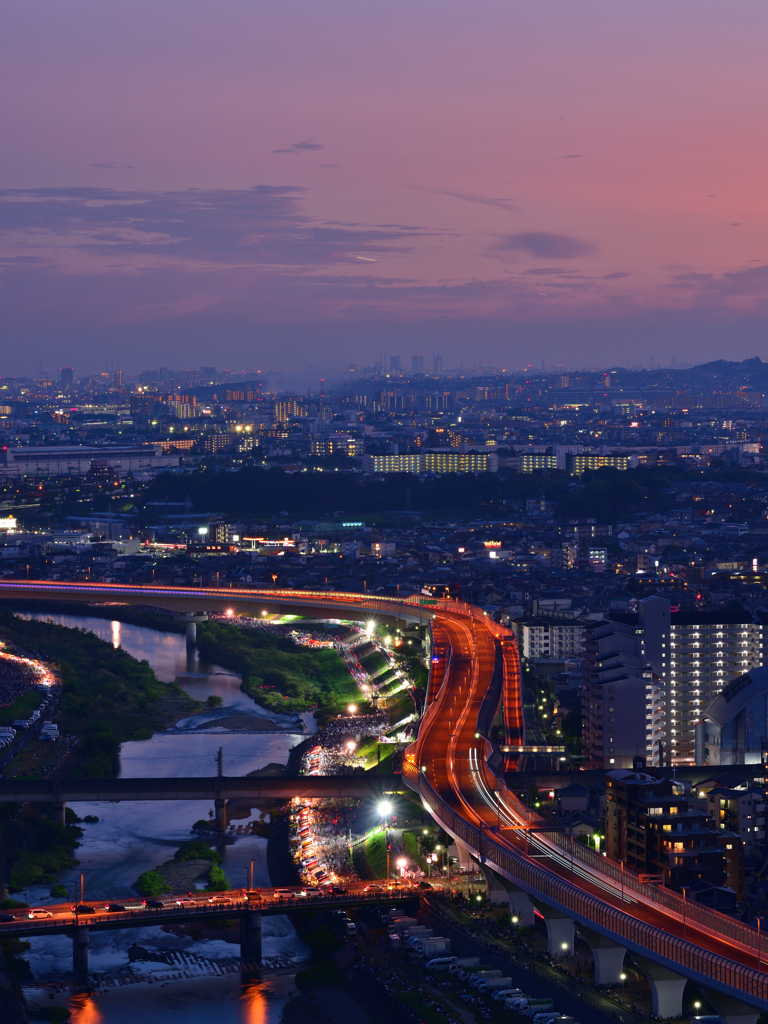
(319, 843)
(336, 749)
(18, 675)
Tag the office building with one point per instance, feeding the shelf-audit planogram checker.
(67, 376)
(417, 364)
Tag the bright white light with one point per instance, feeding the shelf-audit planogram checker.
(351, 745)
(230, 613)
(385, 809)
(352, 709)
(202, 530)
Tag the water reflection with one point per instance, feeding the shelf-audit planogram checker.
(84, 1010)
(133, 837)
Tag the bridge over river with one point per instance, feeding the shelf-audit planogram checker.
(459, 774)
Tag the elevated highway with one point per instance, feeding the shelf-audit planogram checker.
(458, 773)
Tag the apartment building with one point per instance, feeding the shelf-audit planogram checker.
(541, 637)
(741, 811)
(622, 699)
(651, 827)
(694, 655)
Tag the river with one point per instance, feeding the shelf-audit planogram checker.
(134, 837)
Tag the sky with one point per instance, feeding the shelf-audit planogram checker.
(281, 185)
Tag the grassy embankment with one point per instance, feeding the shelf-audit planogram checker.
(279, 675)
(107, 696)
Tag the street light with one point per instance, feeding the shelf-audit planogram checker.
(564, 947)
(385, 809)
(623, 980)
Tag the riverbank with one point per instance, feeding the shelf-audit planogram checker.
(107, 697)
(279, 675)
(134, 615)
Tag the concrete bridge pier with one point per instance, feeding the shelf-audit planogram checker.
(60, 813)
(80, 940)
(730, 1010)
(608, 957)
(466, 858)
(191, 619)
(250, 935)
(501, 890)
(221, 814)
(666, 987)
(560, 930)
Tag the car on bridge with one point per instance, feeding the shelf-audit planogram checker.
(115, 908)
(39, 913)
(220, 900)
(83, 908)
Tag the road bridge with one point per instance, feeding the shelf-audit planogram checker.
(458, 773)
(194, 908)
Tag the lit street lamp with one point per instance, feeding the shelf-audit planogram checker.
(623, 982)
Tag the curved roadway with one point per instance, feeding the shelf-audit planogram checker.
(448, 765)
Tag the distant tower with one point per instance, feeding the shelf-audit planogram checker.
(67, 376)
(118, 378)
(394, 364)
(417, 364)
(437, 362)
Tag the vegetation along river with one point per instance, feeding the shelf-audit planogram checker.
(131, 838)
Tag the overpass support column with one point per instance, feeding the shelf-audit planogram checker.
(501, 890)
(666, 987)
(221, 814)
(80, 940)
(466, 862)
(250, 935)
(60, 813)
(608, 957)
(730, 1010)
(560, 930)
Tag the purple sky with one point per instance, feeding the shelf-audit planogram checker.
(276, 184)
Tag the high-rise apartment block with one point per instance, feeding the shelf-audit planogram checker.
(689, 656)
(67, 376)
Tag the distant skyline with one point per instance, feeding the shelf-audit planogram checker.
(283, 185)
